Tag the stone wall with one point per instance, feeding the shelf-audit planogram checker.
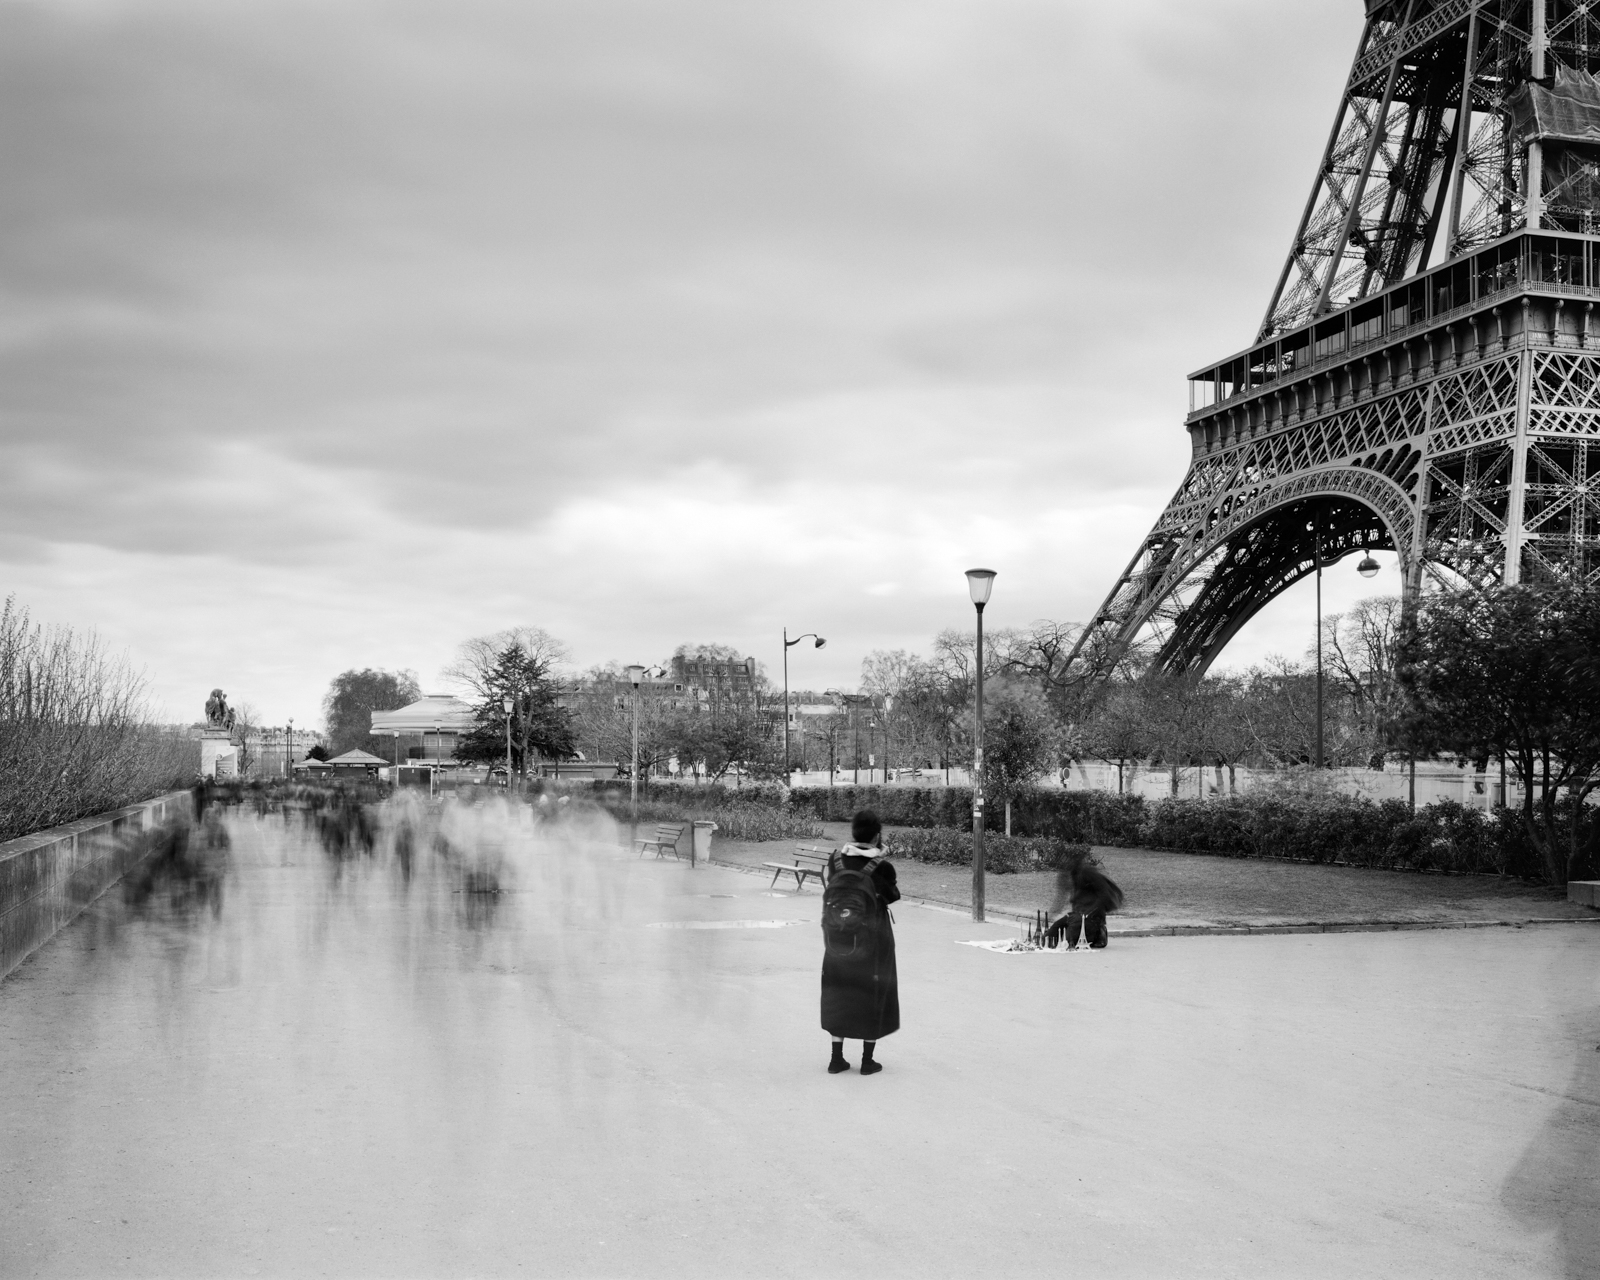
(48, 878)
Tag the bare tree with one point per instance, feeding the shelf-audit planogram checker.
(1118, 730)
(1361, 648)
(75, 737)
(478, 659)
(246, 733)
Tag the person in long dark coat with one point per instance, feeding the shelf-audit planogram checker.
(861, 992)
(1091, 895)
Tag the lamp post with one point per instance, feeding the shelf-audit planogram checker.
(872, 729)
(979, 583)
(1316, 553)
(1367, 569)
(506, 703)
(635, 677)
(888, 706)
(288, 765)
(787, 644)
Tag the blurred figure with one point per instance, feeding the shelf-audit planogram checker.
(190, 872)
(1090, 895)
(860, 984)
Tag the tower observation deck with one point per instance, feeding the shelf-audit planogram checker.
(1426, 378)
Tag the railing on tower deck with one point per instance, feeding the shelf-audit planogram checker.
(1466, 356)
(1567, 264)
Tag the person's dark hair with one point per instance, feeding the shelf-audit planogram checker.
(865, 827)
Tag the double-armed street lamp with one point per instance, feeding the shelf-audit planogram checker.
(979, 583)
(819, 642)
(507, 702)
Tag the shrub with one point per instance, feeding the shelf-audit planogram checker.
(1003, 855)
(1092, 817)
(1326, 828)
(753, 822)
(74, 733)
(734, 821)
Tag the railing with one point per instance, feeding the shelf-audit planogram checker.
(1426, 372)
(1409, 333)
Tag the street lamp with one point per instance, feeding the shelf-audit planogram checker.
(288, 767)
(506, 703)
(1367, 569)
(855, 746)
(979, 583)
(787, 645)
(635, 678)
(1316, 554)
(888, 706)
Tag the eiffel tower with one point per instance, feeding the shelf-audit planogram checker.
(1427, 377)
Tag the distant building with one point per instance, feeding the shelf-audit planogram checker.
(426, 731)
(713, 683)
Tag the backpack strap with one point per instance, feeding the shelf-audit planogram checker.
(872, 865)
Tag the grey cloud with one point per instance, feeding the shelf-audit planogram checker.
(477, 260)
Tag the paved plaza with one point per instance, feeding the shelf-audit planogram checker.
(614, 1068)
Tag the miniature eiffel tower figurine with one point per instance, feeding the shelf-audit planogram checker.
(1426, 377)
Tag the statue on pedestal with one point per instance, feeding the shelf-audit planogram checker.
(219, 715)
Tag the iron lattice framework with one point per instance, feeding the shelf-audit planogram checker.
(1426, 379)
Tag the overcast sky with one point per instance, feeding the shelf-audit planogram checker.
(334, 333)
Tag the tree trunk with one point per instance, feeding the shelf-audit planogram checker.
(1008, 821)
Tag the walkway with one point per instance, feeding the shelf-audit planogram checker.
(341, 1074)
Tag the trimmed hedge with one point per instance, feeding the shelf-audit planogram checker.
(734, 821)
(1092, 817)
(1003, 855)
(1444, 836)
(1304, 826)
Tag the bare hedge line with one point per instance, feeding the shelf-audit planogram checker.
(75, 737)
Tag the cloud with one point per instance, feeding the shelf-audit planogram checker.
(400, 322)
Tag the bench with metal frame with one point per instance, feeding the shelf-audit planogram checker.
(665, 840)
(810, 863)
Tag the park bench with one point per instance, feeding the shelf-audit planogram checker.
(665, 840)
(810, 862)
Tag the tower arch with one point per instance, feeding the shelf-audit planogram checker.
(1427, 376)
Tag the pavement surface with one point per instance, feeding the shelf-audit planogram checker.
(613, 1068)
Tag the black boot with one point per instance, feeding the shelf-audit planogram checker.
(868, 1066)
(838, 1063)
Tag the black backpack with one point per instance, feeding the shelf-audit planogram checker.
(852, 911)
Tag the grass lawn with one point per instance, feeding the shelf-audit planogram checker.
(1166, 889)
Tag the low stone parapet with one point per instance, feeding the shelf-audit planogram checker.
(1586, 892)
(48, 878)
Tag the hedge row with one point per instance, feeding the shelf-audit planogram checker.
(1092, 817)
(1003, 855)
(1444, 836)
(734, 821)
(1307, 827)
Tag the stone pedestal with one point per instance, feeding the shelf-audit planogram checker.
(219, 758)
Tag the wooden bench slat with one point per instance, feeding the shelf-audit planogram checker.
(667, 836)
